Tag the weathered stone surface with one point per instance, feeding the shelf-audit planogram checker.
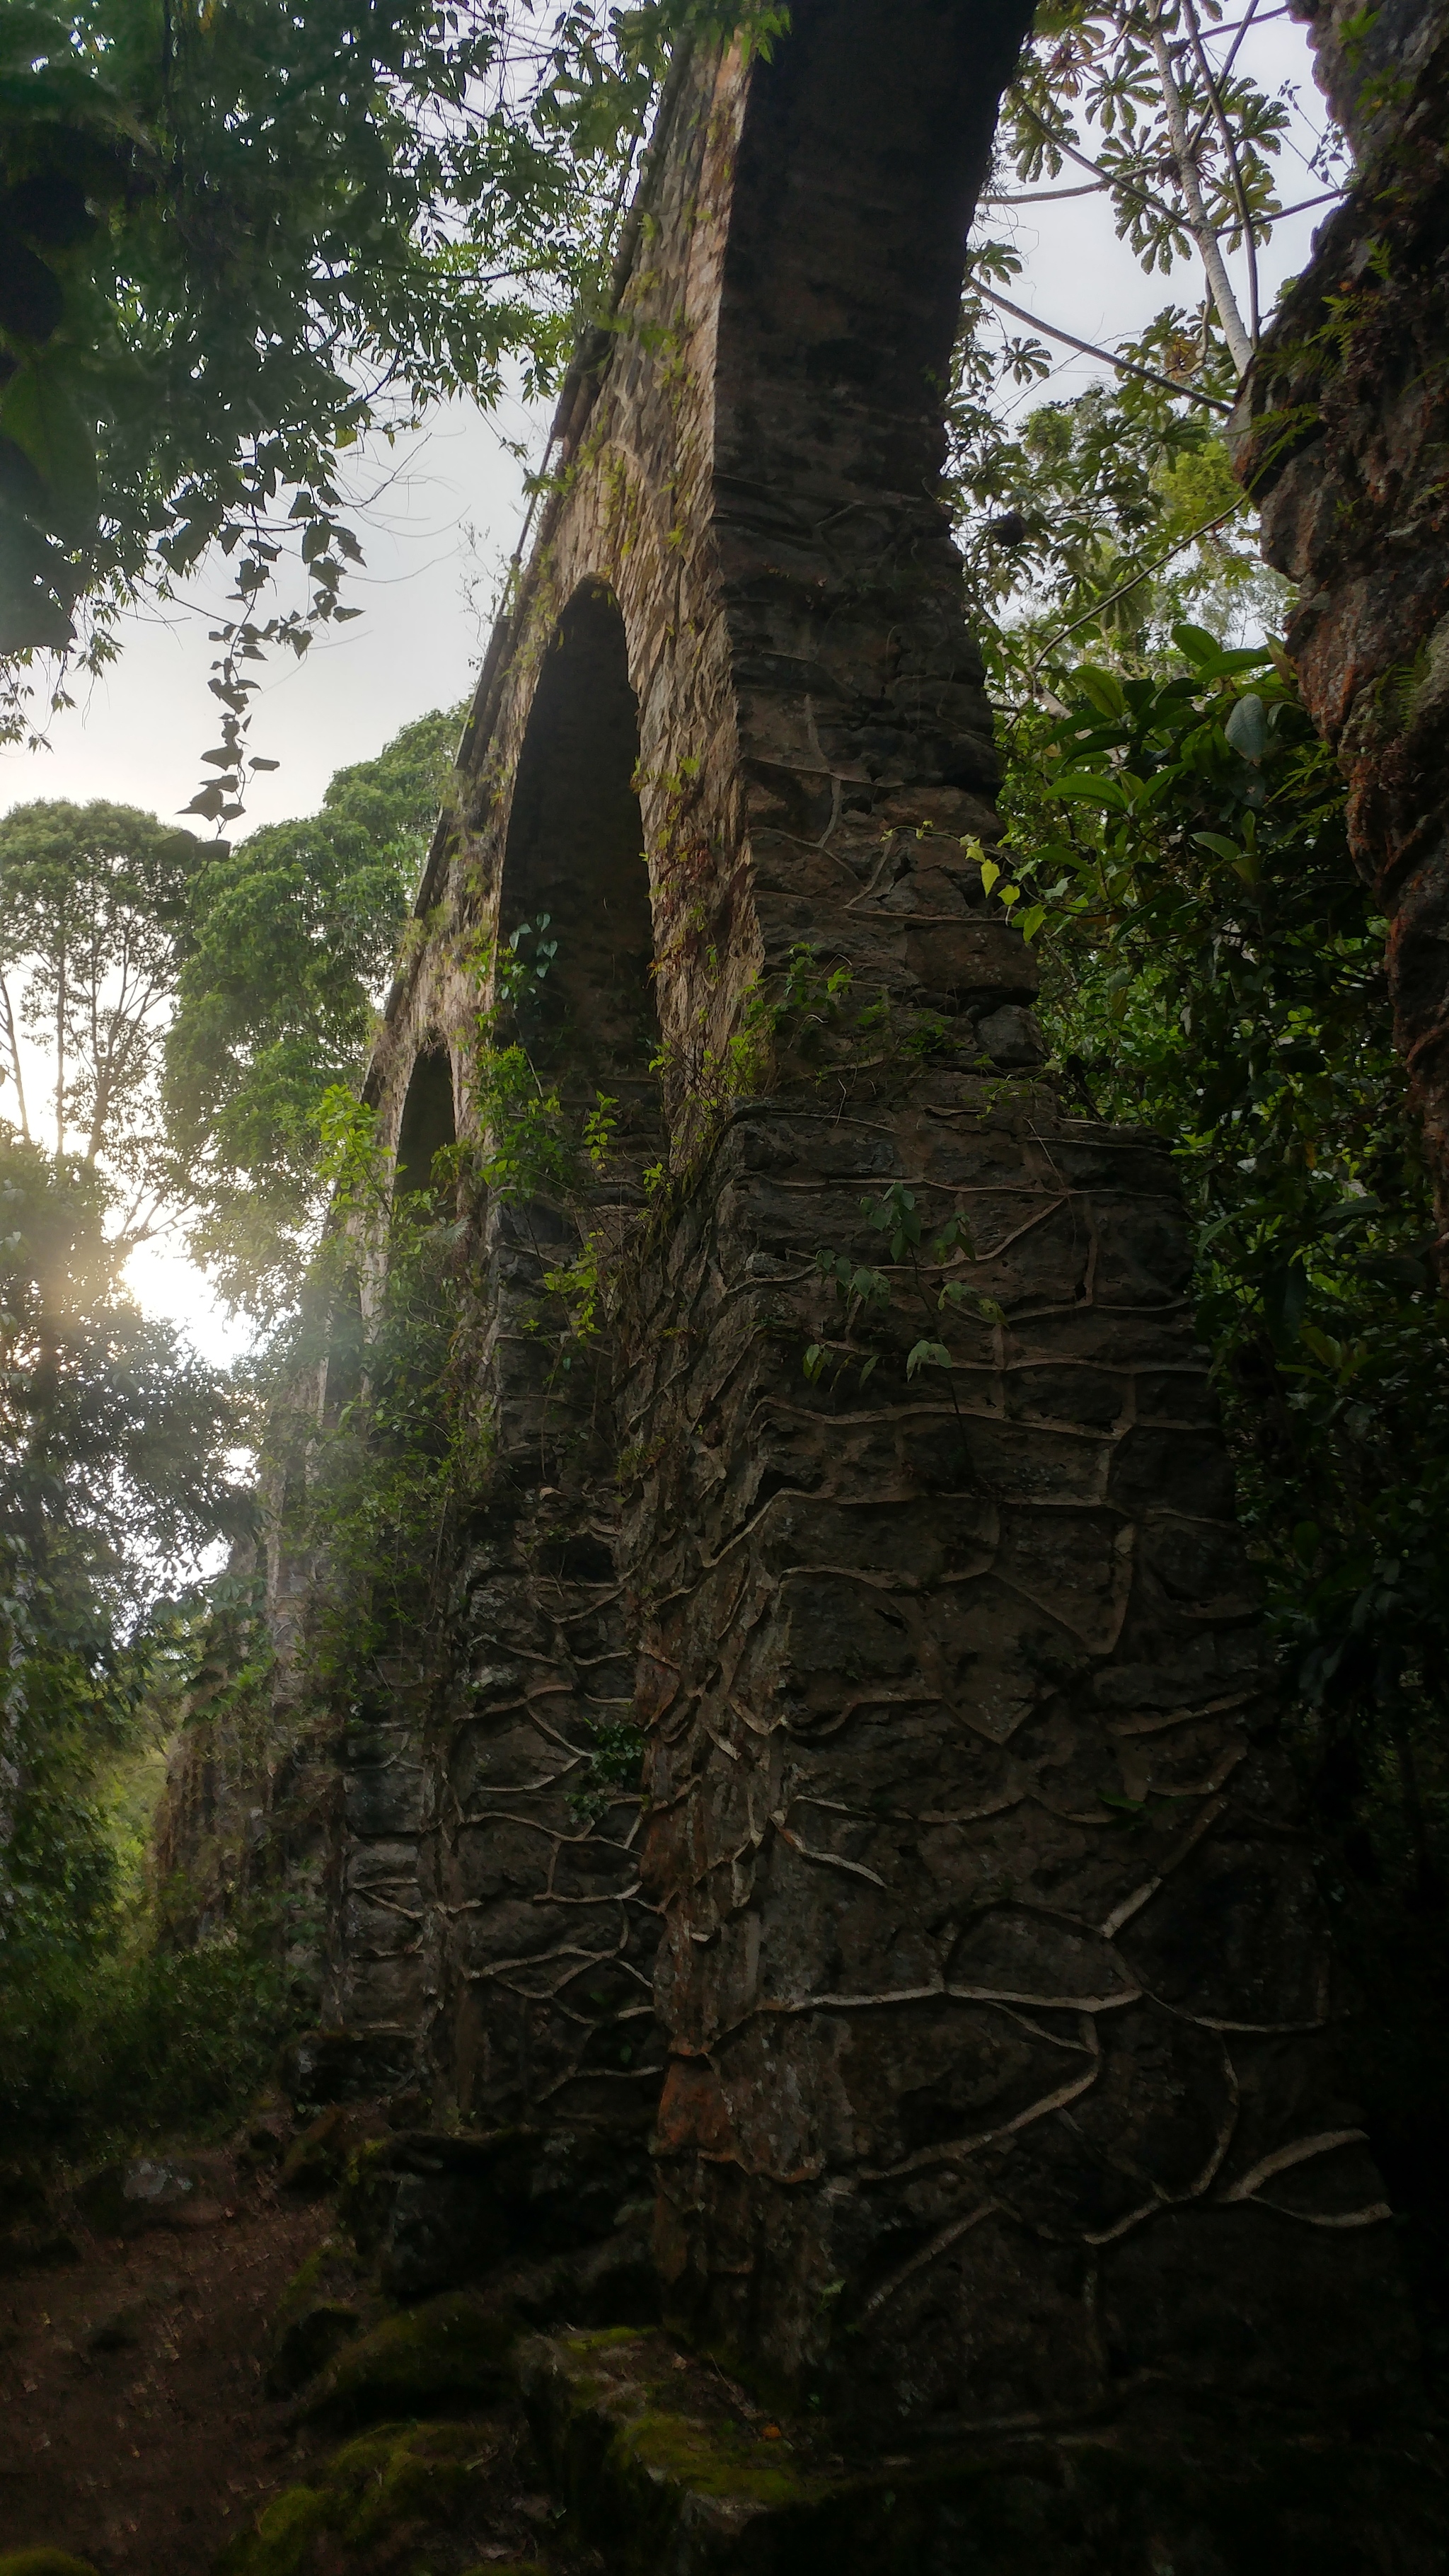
(985, 2047)
(987, 1950)
(674, 2471)
(449, 2355)
(1341, 434)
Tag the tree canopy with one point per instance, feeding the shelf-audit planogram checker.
(295, 933)
(96, 919)
(232, 238)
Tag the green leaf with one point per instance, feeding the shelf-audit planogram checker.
(39, 414)
(927, 1354)
(1247, 728)
(1085, 788)
(1102, 688)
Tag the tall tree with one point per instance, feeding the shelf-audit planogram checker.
(95, 925)
(295, 932)
(114, 1477)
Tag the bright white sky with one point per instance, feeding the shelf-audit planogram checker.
(437, 540)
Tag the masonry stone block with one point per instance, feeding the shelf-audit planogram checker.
(950, 1978)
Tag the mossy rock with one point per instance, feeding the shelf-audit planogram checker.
(666, 2465)
(53, 2562)
(317, 2159)
(366, 2192)
(322, 2307)
(376, 2499)
(447, 2356)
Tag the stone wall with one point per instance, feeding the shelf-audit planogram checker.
(992, 1976)
(1341, 432)
(991, 2004)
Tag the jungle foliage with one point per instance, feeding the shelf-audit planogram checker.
(115, 1474)
(294, 935)
(232, 239)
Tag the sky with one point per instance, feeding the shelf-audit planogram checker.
(444, 509)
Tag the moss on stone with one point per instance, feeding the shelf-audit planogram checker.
(396, 2476)
(280, 2542)
(712, 2459)
(319, 2311)
(645, 2450)
(55, 2562)
(442, 2357)
(365, 2194)
(386, 2485)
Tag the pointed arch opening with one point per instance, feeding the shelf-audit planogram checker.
(574, 861)
(427, 1121)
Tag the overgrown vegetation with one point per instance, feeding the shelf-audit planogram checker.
(114, 1474)
(442, 194)
(1213, 968)
(231, 239)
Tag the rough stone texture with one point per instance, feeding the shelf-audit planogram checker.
(674, 2471)
(991, 2005)
(991, 1967)
(1341, 435)
(243, 1812)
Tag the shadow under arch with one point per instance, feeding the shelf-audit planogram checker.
(428, 1122)
(575, 852)
(866, 138)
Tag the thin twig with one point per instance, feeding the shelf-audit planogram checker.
(1048, 196)
(1123, 587)
(1089, 349)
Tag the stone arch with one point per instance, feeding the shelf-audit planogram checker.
(865, 140)
(858, 685)
(575, 852)
(428, 1122)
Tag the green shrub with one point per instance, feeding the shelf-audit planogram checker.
(101, 2046)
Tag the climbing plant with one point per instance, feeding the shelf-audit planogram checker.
(1214, 969)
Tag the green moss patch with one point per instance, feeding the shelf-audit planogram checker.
(667, 2463)
(323, 2306)
(49, 2562)
(447, 2356)
(375, 2502)
(645, 2445)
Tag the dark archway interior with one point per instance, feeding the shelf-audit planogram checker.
(576, 852)
(427, 1120)
(855, 186)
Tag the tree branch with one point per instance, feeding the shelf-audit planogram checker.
(1225, 134)
(1089, 349)
(1209, 249)
(1145, 574)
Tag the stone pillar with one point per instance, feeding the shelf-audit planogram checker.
(993, 1984)
(1341, 431)
(992, 1989)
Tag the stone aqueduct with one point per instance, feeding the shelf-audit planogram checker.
(958, 1991)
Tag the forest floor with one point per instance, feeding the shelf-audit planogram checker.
(136, 2433)
(135, 2430)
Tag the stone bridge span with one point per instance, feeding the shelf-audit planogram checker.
(957, 1993)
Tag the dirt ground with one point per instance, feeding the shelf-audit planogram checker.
(134, 2429)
